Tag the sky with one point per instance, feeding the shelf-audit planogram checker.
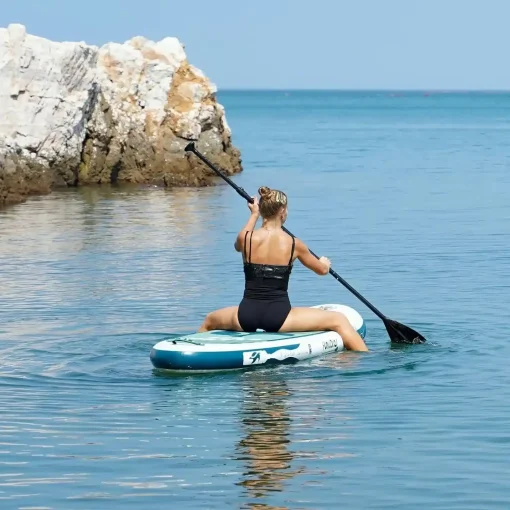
(301, 44)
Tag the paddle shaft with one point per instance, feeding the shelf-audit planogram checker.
(242, 192)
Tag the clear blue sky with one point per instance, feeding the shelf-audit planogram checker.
(338, 44)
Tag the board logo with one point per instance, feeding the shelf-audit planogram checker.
(255, 357)
(329, 344)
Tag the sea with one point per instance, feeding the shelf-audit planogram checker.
(407, 193)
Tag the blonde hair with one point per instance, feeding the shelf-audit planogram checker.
(271, 201)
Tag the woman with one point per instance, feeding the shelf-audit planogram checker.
(268, 255)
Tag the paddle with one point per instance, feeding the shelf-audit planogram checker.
(398, 333)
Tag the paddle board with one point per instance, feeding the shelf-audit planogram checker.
(230, 350)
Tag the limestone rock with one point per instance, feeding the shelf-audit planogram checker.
(78, 114)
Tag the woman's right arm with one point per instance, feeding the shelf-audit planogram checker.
(320, 266)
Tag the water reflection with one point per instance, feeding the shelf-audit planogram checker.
(123, 249)
(177, 213)
(264, 447)
(113, 218)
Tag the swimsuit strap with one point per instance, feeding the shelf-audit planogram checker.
(244, 249)
(292, 251)
(251, 235)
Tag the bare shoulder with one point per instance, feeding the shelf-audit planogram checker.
(254, 236)
(241, 239)
(300, 246)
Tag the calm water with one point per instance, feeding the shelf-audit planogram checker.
(408, 194)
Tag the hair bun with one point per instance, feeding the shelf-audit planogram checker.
(264, 191)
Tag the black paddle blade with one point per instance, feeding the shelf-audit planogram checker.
(401, 334)
(190, 147)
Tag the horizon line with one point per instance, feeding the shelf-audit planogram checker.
(341, 89)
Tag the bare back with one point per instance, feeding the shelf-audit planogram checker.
(272, 247)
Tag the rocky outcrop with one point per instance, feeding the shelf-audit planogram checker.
(75, 114)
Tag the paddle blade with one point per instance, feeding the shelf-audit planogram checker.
(402, 334)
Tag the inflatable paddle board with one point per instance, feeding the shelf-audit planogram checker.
(230, 350)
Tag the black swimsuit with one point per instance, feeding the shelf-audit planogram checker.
(265, 303)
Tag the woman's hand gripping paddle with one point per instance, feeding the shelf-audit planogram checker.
(398, 333)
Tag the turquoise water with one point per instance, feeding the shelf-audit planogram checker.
(407, 193)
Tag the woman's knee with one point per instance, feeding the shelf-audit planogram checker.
(340, 322)
(209, 321)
